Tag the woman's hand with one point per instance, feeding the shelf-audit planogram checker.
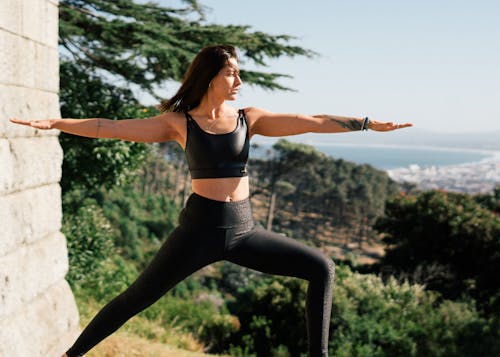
(38, 124)
(386, 126)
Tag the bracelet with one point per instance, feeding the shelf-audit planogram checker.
(366, 123)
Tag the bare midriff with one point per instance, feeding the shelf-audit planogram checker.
(226, 189)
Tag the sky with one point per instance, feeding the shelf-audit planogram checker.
(434, 63)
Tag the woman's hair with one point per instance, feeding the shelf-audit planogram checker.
(205, 66)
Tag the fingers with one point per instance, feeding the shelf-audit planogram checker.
(38, 124)
(19, 121)
(400, 126)
(390, 126)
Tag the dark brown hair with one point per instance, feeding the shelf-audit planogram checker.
(205, 66)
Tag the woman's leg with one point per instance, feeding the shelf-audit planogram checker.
(273, 253)
(183, 253)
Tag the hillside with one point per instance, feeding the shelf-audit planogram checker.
(126, 345)
(331, 240)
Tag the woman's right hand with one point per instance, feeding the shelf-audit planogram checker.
(38, 124)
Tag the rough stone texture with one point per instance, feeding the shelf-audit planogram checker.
(29, 162)
(41, 327)
(38, 314)
(31, 216)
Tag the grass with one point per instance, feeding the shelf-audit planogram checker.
(121, 344)
(141, 337)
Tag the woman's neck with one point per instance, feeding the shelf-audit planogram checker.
(211, 107)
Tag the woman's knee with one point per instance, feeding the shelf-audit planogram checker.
(326, 268)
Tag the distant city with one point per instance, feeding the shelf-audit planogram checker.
(480, 176)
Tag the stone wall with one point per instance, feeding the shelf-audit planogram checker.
(38, 315)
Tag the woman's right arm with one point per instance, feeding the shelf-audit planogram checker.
(149, 130)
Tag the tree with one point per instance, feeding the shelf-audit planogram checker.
(446, 241)
(491, 200)
(83, 95)
(311, 191)
(147, 44)
(290, 160)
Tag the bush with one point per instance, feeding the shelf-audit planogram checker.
(369, 318)
(373, 318)
(446, 241)
(95, 265)
(89, 240)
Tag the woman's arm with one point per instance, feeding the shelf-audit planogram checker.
(149, 130)
(274, 124)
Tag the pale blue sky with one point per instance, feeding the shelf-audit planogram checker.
(434, 63)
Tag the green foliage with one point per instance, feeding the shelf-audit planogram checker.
(89, 240)
(199, 312)
(490, 201)
(90, 163)
(373, 318)
(95, 264)
(147, 44)
(143, 220)
(369, 318)
(447, 241)
(272, 314)
(310, 183)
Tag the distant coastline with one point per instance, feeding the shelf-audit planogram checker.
(470, 170)
(387, 157)
(399, 146)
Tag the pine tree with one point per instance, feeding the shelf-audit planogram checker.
(147, 44)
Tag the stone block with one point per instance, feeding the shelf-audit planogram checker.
(9, 60)
(45, 327)
(47, 64)
(7, 165)
(29, 215)
(34, 19)
(35, 161)
(27, 65)
(10, 15)
(12, 105)
(52, 34)
(27, 104)
(29, 270)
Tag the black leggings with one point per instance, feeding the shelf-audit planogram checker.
(211, 231)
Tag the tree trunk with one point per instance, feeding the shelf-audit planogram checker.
(270, 213)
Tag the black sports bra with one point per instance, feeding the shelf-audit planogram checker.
(217, 155)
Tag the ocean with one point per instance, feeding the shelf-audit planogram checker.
(385, 157)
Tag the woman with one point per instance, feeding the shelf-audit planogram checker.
(216, 222)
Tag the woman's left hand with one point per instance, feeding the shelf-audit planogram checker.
(386, 126)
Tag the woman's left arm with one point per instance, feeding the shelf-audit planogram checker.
(273, 124)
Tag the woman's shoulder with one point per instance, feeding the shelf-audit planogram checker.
(174, 119)
(253, 113)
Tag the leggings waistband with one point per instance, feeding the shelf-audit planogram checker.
(200, 209)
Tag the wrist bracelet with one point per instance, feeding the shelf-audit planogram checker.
(366, 123)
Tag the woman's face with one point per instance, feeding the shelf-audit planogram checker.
(227, 82)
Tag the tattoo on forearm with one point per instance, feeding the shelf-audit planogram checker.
(347, 123)
(98, 126)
